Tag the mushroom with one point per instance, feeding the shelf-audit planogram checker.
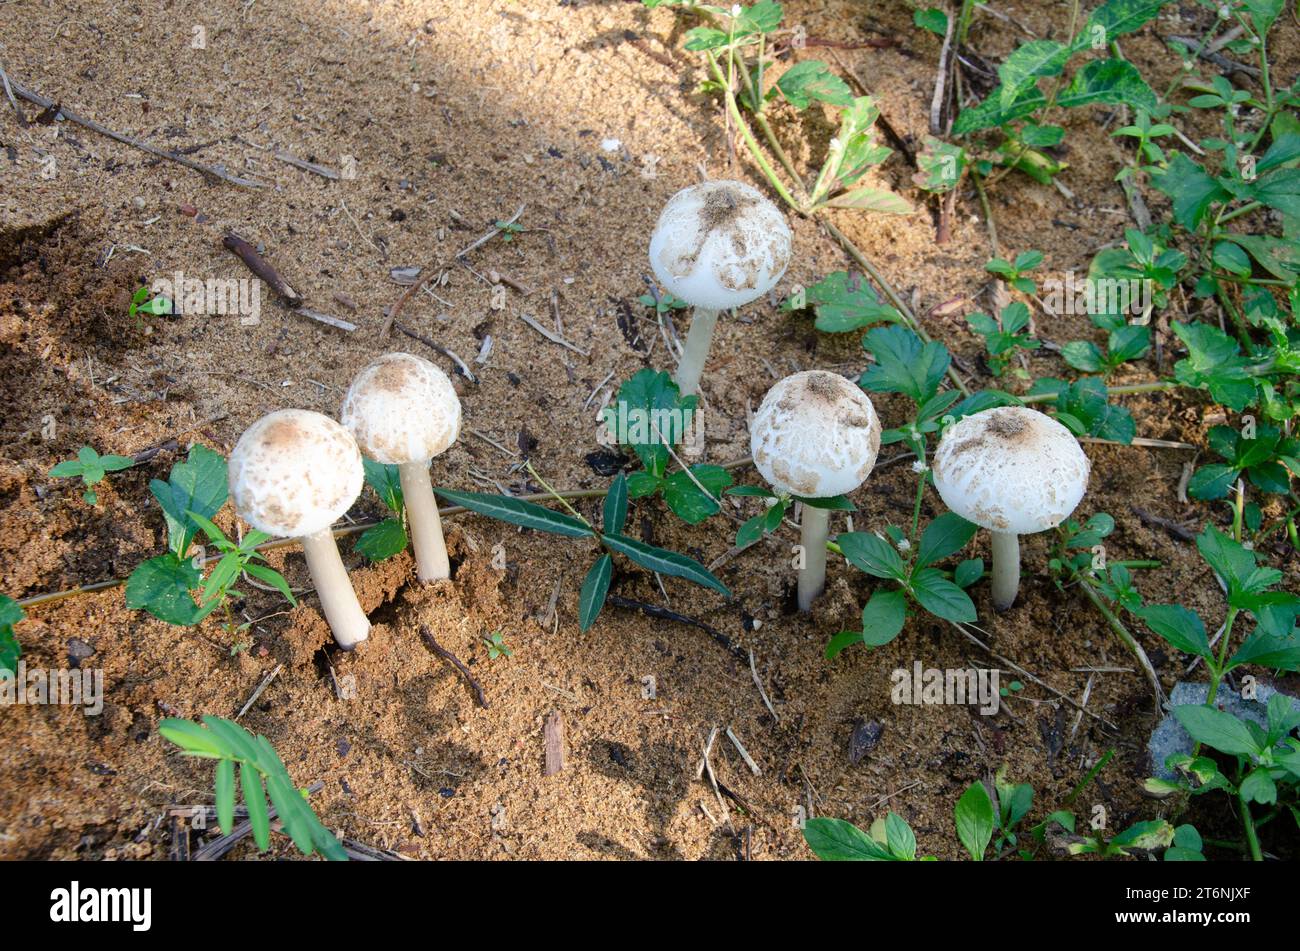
(293, 474)
(717, 245)
(403, 411)
(1013, 471)
(815, 436)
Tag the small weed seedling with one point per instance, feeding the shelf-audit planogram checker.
(142, 303)
(92, 468)
(166, 585)
(388, 538)
(509, 229)
(1004, 337)
(496, 646)
(261, 774)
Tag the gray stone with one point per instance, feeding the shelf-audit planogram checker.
(1170, 739)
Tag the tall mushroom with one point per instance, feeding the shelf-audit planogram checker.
(1013, 471)
(717, 245)
(815, 436)
(294, 473)
(403, 411)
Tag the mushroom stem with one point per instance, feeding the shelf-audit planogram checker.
(696, 350)
(814, 527)
(426, 526)
(338, 602)
(1006, 569)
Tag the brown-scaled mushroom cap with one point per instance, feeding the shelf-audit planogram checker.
(401, 409)
(815, 435)
(294, 472)
(719, 244)
(1010, 469)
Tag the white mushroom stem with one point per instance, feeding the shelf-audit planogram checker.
(1006, 569)
(431, 561)
(814, 528)
(338, 602)
(696, 351)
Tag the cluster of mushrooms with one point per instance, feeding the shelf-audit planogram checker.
(1010, 469)
(295, 472)
(718, 245)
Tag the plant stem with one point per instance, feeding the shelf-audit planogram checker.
(1089, 776)
(1124, 635)
(733, 109)
(1154, 387)
(1252, 837)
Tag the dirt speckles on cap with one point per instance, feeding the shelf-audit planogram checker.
(1010, 469)
(294, 472)
(401, 408)
(816, 435)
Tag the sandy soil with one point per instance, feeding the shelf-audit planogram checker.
(456, 115)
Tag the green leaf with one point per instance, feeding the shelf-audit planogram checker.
(1212, 481)
(968, 572)
(255, 801)
(974, 818)
(872, 554)
(614, 513)
(1268, 649)
(1216, 729)
(191, 738)
(941, 597)
(991, 113)
(649, 411)
(751, 531)
(196, 485)
(883, 617)
(685, 498)
(762, 17)
(1086, 400)
(810, 80)
(899, 837)
(1115, 18)
(904, 364)
(1083, 355)
(664, 562)
(225, 795)
(1026, 63)
(840, 641)
(162, 587)
(382, 541)
(946, 535)
(1259, 787)
(940, 166)
(834, 840)
(932, 19)
(386, 482)
(1234, 563)
(1190, 188)
(1111, 81)
(1214, 361)
(705, 38)
(880, 200)
(10, 649)
(594, 589)
(845, 302)
(1285, 149)
(1179, 626)
(518, 512)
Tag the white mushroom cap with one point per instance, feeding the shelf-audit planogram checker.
(719, 244)
(401, 409)
(294, 472)
(1010, 469)
(815, 435)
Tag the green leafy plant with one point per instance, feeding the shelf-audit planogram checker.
(652, 418)
(661, 302)
(10, 648)
(388, 538)
(497, 646)
(612, 541)
(142, 303)
(509, 229)
(1013, 272)
(261, 774)
(92, 468)
(1004, 337)
(1267, 460)
(171, 586)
